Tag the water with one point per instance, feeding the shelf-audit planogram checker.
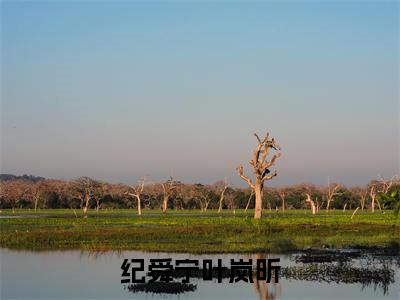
(82, 275)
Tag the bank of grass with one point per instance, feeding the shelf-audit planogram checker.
(196, 232)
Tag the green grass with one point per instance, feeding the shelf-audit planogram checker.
(196, 232)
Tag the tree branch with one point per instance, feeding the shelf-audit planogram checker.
(244, 177)
(269, 177)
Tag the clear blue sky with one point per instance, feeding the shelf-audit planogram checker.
(117, 90)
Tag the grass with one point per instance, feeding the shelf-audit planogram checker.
(196, 232)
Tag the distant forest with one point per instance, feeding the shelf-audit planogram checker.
(6, 177)
(34, 192)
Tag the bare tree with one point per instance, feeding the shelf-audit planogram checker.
(204, 195)
(372, 194)
(137, 191)
(354, 212)
(222, 189)
(168, 187)
(313, 206)
(331, 192)
(102, 190)
(282, 196)
(318, 206)
(362, 194)
(376, 187)
(248, 201)
(84, 188)
(261, 171)
(386, 185)
(230, 200)
(36, 196)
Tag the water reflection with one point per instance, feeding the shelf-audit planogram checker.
(379, 277)
(344, 267)
(97, 275)
(175, 288)
(264, 290)
(267, 291)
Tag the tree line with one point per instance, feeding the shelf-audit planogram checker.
(86, 193)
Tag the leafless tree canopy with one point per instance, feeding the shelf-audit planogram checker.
(136, 192)
(261, 169)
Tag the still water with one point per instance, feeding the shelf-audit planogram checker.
(83, 275)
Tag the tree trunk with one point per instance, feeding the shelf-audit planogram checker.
(328, 204)
(248, 202)
(313, 209)
(221, 200)
(97, 205)
(139, 206)
(354, 212)
(258, 191)
(373, 203)
(165, 204)
(85, 209)
(379, 204)
(313, 206)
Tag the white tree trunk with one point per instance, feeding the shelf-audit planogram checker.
(373, 203)
(313, 207)
(258, 191)
(165, 204)
(139, 206)
(85, 209)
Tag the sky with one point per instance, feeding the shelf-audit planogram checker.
(116, 90)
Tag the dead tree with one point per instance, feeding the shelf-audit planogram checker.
(204, 196)
(313, 206)
(248, 201)
(261, 171)
(331, 192)
(386, 185)
(282, 196)
(222, 189)
(36, 195)
(363, 194)
(102, 190)
(354, 212)
(317, 205)
(372, 194)
(377, 187)
(168, 187)
(137, 191)
(85, 188)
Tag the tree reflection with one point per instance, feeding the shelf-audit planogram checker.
(329, 267)
(267, 291)
(343, 268)
(264, 290)
(175, 288)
